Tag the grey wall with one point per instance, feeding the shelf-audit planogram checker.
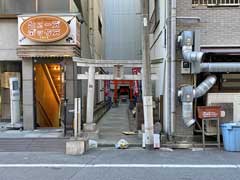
(8, 39)
(122, 29)
(158, 47)
(218, 26)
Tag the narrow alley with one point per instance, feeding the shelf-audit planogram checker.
(113, 124)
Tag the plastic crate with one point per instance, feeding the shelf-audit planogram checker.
(206, 112)
(231, 136)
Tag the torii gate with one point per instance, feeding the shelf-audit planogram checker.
(91, 76)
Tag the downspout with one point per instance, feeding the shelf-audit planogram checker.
(91, 28)
(188, 93)
(167, 88)
(173, 67)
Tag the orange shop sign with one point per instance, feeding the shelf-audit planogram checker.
(45, 28)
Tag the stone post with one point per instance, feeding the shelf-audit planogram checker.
(90, 127)
(28, 103)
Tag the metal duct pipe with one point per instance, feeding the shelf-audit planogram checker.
(205, 86)
(187, 115)
(187, 94)
(191, 56)
(220, 67)
(186, 40)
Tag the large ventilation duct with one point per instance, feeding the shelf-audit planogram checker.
(204, 87)
(191, 56)
(186, 40)
(187, 96)
(220, 67)
(188, 93)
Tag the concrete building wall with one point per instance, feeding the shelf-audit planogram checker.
(8, 40)
(96, 28)
(8, 58)
(158, 46)
(92, 46)
(122, 29)
(85, 44)
(92, 41)
(97, 36)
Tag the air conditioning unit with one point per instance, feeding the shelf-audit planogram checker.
(72, 37)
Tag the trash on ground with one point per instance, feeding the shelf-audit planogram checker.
(129, 133)
(121, 144)
(197, 149)
(166, 149)
(93, 144)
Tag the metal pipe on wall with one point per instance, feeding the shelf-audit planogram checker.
(173, 67)
(187, 94)
(220, 67)
(205, 86)
(167, 88)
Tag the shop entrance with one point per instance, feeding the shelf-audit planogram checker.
(48, 89)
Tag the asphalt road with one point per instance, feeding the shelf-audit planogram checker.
(131, 164)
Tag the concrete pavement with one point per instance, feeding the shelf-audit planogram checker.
(113, 123)
(111, 164)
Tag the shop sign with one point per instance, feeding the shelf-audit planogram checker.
(45, 28)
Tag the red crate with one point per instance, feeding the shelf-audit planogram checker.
(206, 112)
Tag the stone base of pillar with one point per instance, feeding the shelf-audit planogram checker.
(91, 131)
(76, 146)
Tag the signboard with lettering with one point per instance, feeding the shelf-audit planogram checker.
(44, 28)
(118, 72)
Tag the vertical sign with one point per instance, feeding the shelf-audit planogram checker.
(118, 72)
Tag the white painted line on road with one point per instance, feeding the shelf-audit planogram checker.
(200, 166)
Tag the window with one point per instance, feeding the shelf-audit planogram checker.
(100, 26)
(17, 6)
(14, 7)
(216, 2)
(53, 6)
(155, 18)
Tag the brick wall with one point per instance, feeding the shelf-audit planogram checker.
(217, 26)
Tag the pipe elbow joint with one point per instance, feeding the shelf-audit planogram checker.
(192, 56)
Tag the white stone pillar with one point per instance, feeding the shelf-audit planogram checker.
(90, 126)
(90, 94)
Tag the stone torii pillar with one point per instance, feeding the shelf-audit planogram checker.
(90, 127)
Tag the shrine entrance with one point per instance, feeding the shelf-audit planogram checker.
(122, 79)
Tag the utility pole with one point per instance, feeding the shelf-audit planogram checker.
(146, 79)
